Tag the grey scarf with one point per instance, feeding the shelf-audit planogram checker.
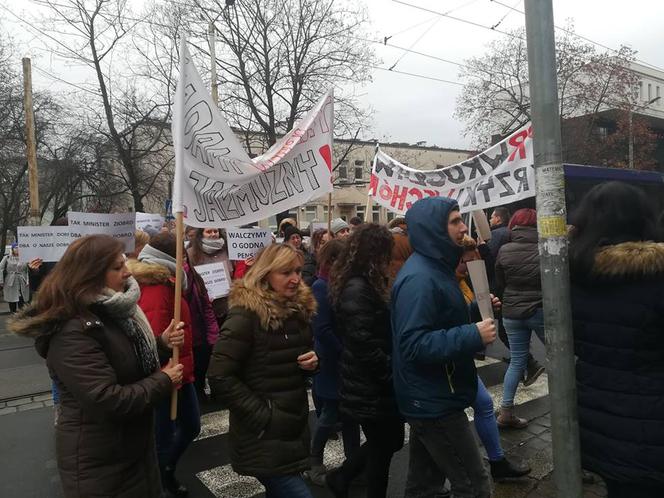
(212, 246)
(122, 306)
(154, 256)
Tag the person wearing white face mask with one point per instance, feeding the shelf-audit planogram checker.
(209, 246)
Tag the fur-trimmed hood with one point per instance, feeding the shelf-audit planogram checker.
(149, 273)
(272, 309)
(629, 260)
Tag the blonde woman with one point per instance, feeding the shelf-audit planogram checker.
(259, 366)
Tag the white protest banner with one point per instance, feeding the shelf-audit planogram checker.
(47, 243)
(147, 220)
(500, 175)
(218, 185)
(244, 243)
(215, 278)
(477, 271)
(118, 225)
(481, 224)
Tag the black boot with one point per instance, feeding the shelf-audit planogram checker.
(504, 469)
(171, 485)
(533, 371)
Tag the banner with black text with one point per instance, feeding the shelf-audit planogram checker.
(502, 174)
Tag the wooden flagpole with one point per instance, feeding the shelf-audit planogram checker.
(368, 209)
(329, 212)
(179, 272)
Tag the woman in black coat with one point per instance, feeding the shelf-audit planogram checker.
(359, 292)
(617, 275)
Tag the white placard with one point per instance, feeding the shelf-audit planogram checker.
(215, 278)
(481, 225)
(118, 225)
(244, 243)
(144, 220)
(318, 226)
(477, 271)
(47, 243)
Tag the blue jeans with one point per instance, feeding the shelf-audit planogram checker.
(485, 423)
(518, 332)
(327, 421)
(285, 487)
(173, 437)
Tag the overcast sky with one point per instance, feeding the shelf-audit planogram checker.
(412, 109)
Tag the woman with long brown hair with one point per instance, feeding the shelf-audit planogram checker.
(102, 355)
(359, 288)
(259, 368)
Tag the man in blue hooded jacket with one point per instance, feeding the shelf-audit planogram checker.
(433, 356)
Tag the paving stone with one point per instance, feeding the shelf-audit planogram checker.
(536, 429)
(538, 444)
(43, 397)
(8, 410)
(19, 402)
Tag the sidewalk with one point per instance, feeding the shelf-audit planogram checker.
(533, 444)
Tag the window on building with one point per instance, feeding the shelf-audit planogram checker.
(375, 214)
(649, 91)
(640, 90)
(309, 214)
(359, 211)
(359, 163)
(343, 172)
(390, 216)
(358, 172)
(657, 95)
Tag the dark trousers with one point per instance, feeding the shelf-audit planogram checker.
(445, 447)
(384, 438)
(326, 425)
(173, 437)
(285, 487)
(619, 489)
(16, 306)
(202, 354)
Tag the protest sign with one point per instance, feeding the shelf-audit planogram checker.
(502, 174)
(218, 185)
(481, 225)
(244, 243)
(215, 278)
(149, 220)
(477, 272)
(118, 225)
(47, 243)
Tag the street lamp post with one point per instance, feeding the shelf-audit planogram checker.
(631, 134)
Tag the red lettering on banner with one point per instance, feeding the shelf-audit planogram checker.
(519, 141)
(431, 193)
(373, 185)
(415, 192)
(399, 195)
(385, 192)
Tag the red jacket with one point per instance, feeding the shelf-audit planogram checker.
(157, 302)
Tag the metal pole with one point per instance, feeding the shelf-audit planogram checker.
(631, 139)
(213, 61)
(553, 249)
(31, 142)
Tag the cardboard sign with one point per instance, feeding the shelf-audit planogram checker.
(477, 271)
(145, 220)
(47, 243)
(215, 278)
(481, 225)
(244, 243)
(118, 225)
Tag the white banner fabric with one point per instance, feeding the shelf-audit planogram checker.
(215, 278)
(118, 225)
(500, 175)
(146, 220)
(217, 185)
(47, 243)
(244, 243)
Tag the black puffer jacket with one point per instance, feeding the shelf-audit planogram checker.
(363, 320)
(517, 278)
(618, 317)
(254, 370)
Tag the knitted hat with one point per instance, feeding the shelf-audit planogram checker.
(14, 245)
(290, 231)
(337, 225)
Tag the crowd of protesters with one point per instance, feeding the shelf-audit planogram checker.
(379, 322)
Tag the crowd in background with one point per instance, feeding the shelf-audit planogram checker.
(380, 323)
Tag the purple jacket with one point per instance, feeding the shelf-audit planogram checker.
(204, 321)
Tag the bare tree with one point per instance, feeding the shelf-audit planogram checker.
(495, 98)
(134, 113)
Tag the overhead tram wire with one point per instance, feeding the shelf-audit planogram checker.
(585, 38)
